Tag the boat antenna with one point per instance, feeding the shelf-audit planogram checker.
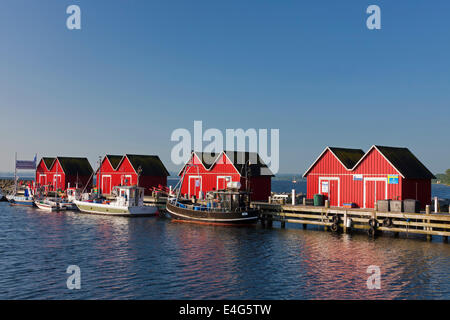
(139, 172)
(15, 175)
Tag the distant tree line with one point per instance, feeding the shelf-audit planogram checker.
(444, 178)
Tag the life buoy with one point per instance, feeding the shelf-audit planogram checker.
(335, 219)
(334, 227)
(387, 222)
(373, 223)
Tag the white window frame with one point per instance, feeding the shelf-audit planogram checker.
(222, 177)
(127, 176)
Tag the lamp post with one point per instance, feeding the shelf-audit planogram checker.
(247, 173)
(139, 172)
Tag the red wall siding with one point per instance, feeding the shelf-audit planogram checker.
(374, 165)
(126, 171)
(223, 167)
(418, 189)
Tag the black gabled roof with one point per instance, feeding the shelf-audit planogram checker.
(256, 165)
(208, 159)
(239, 159)
(151, 165)
(405, 162)
(114, 160)
(48, 161)
(348, 157)
(75, 166)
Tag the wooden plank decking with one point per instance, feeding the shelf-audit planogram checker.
(427, 223)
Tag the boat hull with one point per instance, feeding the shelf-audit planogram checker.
(19, 201)
(105, 209)
(214, 218)
(46, 207)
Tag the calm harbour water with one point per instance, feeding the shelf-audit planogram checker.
(154, 258)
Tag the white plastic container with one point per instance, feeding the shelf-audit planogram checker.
(234, 185)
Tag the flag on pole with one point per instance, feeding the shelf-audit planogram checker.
(26, 164)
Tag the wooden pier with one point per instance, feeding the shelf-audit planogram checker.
(339, 219)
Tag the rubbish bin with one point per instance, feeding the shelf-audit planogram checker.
(383, 205)
(411, 206)
(318, 200)
(396, 206)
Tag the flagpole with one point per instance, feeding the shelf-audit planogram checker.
(15, 174)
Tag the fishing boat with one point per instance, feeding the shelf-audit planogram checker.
(129, 202)
(223, 207)
(16, 199)
(47, 205)
(26, 199)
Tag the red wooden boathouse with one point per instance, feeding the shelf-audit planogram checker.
(62, 172)
(118, 170)
(345, 175)
(212, 171)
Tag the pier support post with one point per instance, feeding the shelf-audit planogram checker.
(305, 226)
(327, 203)
(283, 224)
(304, 201)
(293, 197)
(428, 211)
(345, 221)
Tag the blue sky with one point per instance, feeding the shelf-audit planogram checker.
(140, 69)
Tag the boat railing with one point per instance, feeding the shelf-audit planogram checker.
(197, 207)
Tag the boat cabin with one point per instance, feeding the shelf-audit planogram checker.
(228, 200)
(129, 196)
(73, 194)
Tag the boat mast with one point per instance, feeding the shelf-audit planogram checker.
(100, 174)
(56, 178)
(15, 175)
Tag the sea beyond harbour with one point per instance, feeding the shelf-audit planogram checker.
(154, 258)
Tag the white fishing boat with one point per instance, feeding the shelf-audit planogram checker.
(26, 199)
(47, 205)
(129, 202)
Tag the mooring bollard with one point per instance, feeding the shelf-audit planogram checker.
(293, 197)
(428, 211)
(436, 204)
